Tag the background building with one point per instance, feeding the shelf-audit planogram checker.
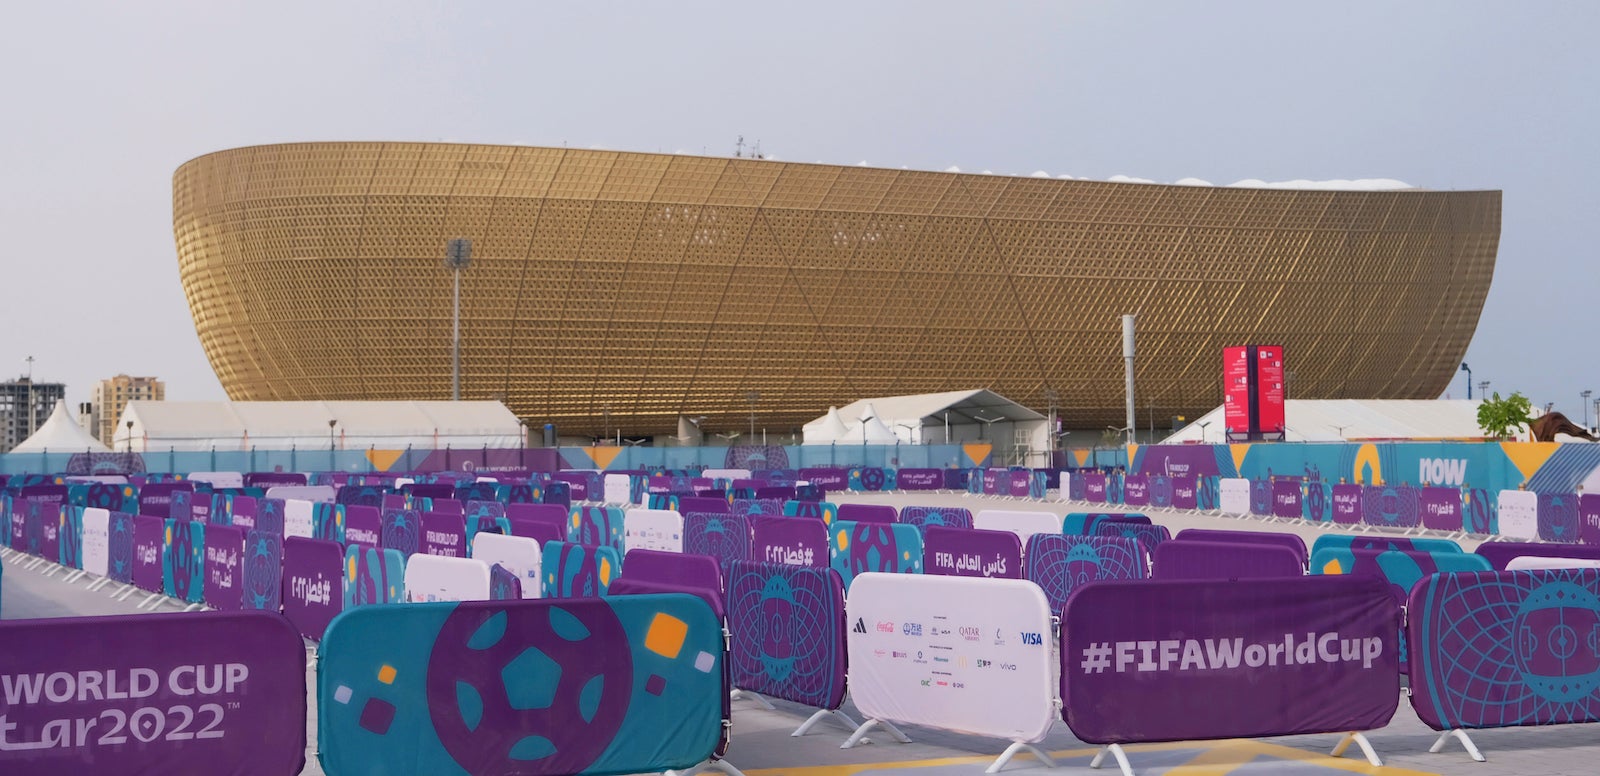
(24, 407)
(616, 292)
(111, 397)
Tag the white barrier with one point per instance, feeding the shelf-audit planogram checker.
(618, 489)
(1023, 524)
(965, 654)
(297, 518)
(1542, 562)
(726, 474)
(304, 492)
(96, 541)
(653, 529)
(1233, 496)
(437, 578)
(219, 479)
(1066, 487)
(1519, 514)
(518, 554)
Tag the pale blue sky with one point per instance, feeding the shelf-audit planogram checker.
(104, 100)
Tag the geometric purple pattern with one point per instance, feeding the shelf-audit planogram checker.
(787, 632)
(1558, 517)
(1148, 535)
(1061, 564)
(1390, 506)
(949, 517)
(722, 536)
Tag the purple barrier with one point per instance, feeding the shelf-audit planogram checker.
(402, 530)
(363, 525)
(47, 494)
(313, 584)
(996, 482)
(444, 534)
(269, 479)
(968, 552)
(446, 505)
(148, 537)
(1017, 487)
(1558, 517)
(597, 527)
(395, 501)
(181, 506)
(542, 529)
(1505, 648)
(1589, 518)
(363, 495)
(1389, 506)
(1148, 536)
(722, 536)
(1440, 508)
(954, 479)
(1500, 553)
(920, 479)
(789, 541)
(775, 492)
(1136, 490)
(949, 517)
(756, 506)
(1286, 499)
(505, 585)
(156, 498)
(687, 504)
(224, 588)
(868, 513)
(1228, 659)
(119, 549)
(871, 478)
(434, 490)
(1061, 564)
(1347, 504)
(1261, 497)
(47, 518)
(675, 568)
(1288, 541)
(830, 478)
(159, 693)
(269, 515)
(787, 632)
(1198, 559)
(1094, 487)
(243, 512)
(263, 571)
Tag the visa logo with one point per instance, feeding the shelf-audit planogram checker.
(1032, 639)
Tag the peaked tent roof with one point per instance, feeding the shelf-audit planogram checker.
(981, 404)
(826, 429)
(61, 434)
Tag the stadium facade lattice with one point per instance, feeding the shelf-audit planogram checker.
(612, 290)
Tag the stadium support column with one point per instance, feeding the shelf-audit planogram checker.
(458, 256)
(1127, 357)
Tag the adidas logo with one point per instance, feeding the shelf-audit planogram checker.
(860, 627)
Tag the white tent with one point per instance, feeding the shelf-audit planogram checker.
(869, 429)
(315, 425)
(60, 434)
(1333, 420)
(825, 430)
(952, 417)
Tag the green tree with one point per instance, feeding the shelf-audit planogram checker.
(1500, 418)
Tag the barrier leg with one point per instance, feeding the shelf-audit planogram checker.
(1011, 751)
(126, 591)
(821, 714)
(860, 734)
(1461, 735)
(1115, 750)
(1361, 741)
(738, 695)
(150, 601)
(35, 564)
(709, 765)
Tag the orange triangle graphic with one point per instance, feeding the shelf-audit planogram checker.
(383, 459)
(1132, 451)
(977, 453)
(603, 456)
(1239, 452)
(1529, 456)
(1082, 456)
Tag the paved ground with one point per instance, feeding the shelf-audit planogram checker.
(762, 745)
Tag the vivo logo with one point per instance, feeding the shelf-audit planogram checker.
(1442, 471)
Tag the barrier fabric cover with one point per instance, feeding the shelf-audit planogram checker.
(725, 537)
(373, 576)
(1023, 524)
(577, 570)
(1061, 564)
(961, 654)
(312, 583)
(653, 529)
(1199, 559)
(1289, 541)
(432, 578)
(1191, 660)
(1497, 553)
(949, 517)
(787, 632)
(857, 548)
(1505, 648)
(516, 554)
(263, 571)
(224, 556)
(966, 552)
(788, 540)
(622, 685)
(207, 692)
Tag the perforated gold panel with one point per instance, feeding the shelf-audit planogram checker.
(621, 290)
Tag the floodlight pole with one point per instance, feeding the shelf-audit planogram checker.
(458, 256)
(1127, 357)
(1586, 395)
(753, 397)
(1468, 370)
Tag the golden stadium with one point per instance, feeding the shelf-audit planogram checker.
(612, 290)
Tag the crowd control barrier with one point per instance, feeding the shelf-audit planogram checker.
(725, 537)
(1149, 536)
(859, 548)
(1060, 564)
(209, 692)
(373, 576)
(756, 506)
(821, 510)
(1200, 559)
(700, 572)
(1500, 554)
(868, 513)
(790, 541)
(967, 552)
(518, 555)
(444, 534)
(1527, 562)
(577, 570)
(1504, 649)
(1023, 524)
(653, 529)
(224, 577)
(1380, 542)
(1557, 516)
(430, 578)
(966, 655)
(919, 479)
(1233, 496)
(1288, 541)
(633, 684)
(787, 636)
(1228, 659)
(948, 517)
(313, 583)
(597, 526)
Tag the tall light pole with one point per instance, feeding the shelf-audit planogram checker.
(1586, 395)
(753, 397)
(1051, 396)
(1127, 357)
(1468, 370)
(130, 436)
(31, 415)
(331, 423)
(457, 257)
(1483, 389)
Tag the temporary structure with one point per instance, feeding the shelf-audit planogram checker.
(316, 425)
(60, 434)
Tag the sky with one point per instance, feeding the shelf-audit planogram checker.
(104, 100)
